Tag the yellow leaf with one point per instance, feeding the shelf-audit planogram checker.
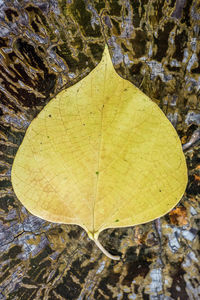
(100, 154)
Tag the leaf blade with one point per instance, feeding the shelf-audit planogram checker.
(96, 154)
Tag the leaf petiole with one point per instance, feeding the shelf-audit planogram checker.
(105, 251)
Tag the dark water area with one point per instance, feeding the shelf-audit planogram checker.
(46, 46)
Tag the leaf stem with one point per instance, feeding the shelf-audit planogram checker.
(105, 251)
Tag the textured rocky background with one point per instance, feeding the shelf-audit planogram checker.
(48, 45)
